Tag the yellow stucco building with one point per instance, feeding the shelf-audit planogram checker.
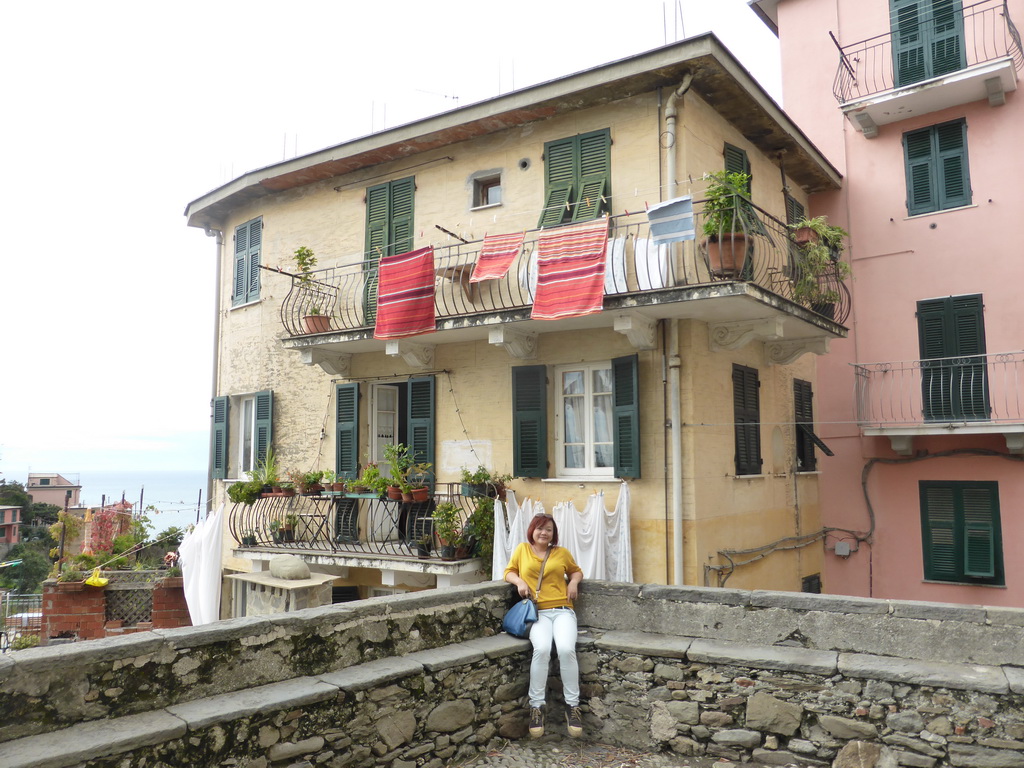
(689, 383)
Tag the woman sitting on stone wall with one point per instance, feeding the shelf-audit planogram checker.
(555, 617)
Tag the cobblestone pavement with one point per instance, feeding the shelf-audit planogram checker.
(553, 752)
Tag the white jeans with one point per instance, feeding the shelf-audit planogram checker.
(558, 624)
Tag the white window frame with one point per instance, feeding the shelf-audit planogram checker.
(377, 423)
(487, 180)
(589, 471)
(240, 429)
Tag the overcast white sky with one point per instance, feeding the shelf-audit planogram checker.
(114, 115)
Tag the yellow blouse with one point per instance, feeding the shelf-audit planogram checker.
(560, 565)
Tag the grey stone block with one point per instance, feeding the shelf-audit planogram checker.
(664, 646)
(449, 656)
(90, 741)
(1014, 678)
(1012, 617)
(763, 657)
(217, 632)
(801, 601)
(684, 594)
(915, 609)
(289, 694)
(981, 757)
(373, 673)
(500, 645)
(939, 674)
(79, 656)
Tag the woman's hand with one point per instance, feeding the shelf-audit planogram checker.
(524, 588)
(572, 589)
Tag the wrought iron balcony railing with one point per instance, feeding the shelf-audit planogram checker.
(761, 252)
(354, 525)
(950, 39)
(950, 390)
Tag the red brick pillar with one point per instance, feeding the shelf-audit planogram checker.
(71, 608)
(169, 606)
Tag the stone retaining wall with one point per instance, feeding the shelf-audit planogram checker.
(422, 680)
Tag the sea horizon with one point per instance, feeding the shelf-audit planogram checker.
(175, 495)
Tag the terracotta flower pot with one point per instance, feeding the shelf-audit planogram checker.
(316, 323)
(727, 254)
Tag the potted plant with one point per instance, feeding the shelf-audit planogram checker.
(447, 526)
(416, 480)
(479, 530)
(248, 538)
(245, 491)
(275, 531)
(266, 472)
(311, 482)
(484, 482)
(315, 321)
(818, 264)
(723, 230)
(399, 461)
(423, 547)
(291, 521)
(370, 481)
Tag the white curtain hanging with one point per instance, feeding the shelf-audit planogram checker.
(200, 552)
(598, 538)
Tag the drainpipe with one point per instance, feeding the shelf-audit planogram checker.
(674, 363)
(210, 232)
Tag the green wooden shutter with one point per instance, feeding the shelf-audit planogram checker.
(981, 519)
(239, 277)
(402, 193)
(954, 185)
(803, 416)
(736, 161)
(594, 175)
(263, 424)
(561, 161)
(938, 525)
(960, 531)
(951, 328)
(253, 260)
(938, 177)
(378, 216)
(529, 421)
(346, 431)
(747, 417)
(794, 210)
(920, 166)
(420, 403)
(946, 30)
(626, 398)
(219, 437)
(909, 41)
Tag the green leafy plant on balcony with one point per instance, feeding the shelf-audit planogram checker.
(818, 256)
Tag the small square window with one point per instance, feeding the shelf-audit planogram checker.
(487, 191)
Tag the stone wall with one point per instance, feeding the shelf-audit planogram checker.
(423, 680)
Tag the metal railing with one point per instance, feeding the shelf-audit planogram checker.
(761, 252)
(21, 618)
(949, 390)
(868, 67)
(344, 524)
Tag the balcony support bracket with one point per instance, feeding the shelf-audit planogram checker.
(1015, 442)
(866, 124)
(994, 89)
(418, 356)
(736, 335)
(639, 329)
(785, 352)
(902, 444)
(519, 345)
(337, 364)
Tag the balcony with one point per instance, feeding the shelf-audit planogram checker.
(942, 60)
(969, 395)
(765, 289)
(350, 530)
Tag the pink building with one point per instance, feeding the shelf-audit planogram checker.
(10, 522)
(916, 103)
(51, 488)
